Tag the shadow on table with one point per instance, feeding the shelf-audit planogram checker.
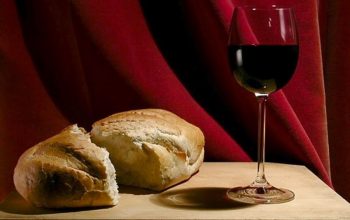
(203, 198)
(15, 204)
(134, 190)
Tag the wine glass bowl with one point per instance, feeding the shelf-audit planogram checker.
(263, 68)
(263, 54)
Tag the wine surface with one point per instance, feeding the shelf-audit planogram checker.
(263, 68)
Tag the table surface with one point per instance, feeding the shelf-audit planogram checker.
(204, 197)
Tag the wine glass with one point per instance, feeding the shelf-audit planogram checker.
(263, 53)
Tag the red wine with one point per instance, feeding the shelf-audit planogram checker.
(263, 68)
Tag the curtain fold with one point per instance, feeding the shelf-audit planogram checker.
(65, 62)
(27, 112)
(335, 23)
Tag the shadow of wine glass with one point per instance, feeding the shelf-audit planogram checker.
(202, 198)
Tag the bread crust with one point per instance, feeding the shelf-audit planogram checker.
(150, 148)
(66, 171)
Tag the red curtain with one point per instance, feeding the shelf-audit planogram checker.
(335, 30)
(64, 62)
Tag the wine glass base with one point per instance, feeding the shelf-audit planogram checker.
(253, 194)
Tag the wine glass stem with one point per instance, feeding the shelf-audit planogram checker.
(260, 177)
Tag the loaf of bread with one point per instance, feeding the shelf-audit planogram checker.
(150, 148)
(67, 170)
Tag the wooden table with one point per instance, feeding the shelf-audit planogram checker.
(203, 197)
